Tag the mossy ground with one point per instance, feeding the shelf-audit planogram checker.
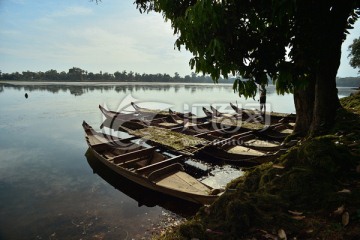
(306, 193)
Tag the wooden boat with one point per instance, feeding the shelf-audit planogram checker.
(115, 120)
(274, 116)
(132, 115)
(149, 168)
(277, 131)
(219, 127)
(244, 149)
(217, 151)
(215, 128)
(158, 112)
(231, 120)
(207, 131)
(208, 113)
(181, 117)
(251, 140)
(144, 196)
(217, 113)
(267, 141)
(118, 121)
(236, 155)
(248, 116)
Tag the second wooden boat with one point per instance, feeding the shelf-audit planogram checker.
(115, 120)
(274, 117)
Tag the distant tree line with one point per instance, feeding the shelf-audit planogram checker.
(348, 82)
(79, 89)
(78, 75)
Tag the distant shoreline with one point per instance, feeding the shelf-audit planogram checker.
(38, 83)
(105, 83)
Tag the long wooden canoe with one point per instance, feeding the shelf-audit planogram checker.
(148, 167)
(232, 120)
(248, 116)
(217, 113)
(251, 140)
(182, 115)
(188, 117)
(277, 131)
(160, 113)
(135, 120)
(237, 155)
(244, 149)
(274, 116)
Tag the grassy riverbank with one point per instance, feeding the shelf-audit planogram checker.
(311, 192)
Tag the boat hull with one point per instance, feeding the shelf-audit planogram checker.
(206, 200)
(193, 190)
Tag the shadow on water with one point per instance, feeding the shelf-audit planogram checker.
(141, 194)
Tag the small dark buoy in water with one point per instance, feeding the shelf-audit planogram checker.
(26, 95)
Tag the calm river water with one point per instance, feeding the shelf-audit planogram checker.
(48, 189)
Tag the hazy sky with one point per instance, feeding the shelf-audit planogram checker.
(111, 36)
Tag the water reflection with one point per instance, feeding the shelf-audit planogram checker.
(48, 190)
(142, 195)
(78, 89)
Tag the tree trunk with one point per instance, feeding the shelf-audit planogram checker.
(326, 94)
(325, 22)
(304, 105)
(329, 55)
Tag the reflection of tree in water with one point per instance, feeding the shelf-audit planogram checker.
(190, 88)
(73, 89)
(130, 88)
(176, 88)
(121, 89)
(78, 90)
(42, 88)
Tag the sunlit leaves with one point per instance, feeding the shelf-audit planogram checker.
(283, 83)
(354, 49)
(246, 88)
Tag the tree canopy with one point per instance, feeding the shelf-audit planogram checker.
(292, 43)
(255, 39)
(355, 53)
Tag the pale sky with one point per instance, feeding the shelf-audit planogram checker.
(111, 36)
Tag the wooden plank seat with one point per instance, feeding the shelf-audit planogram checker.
(237, 136)
(133, 156)
(120, 151)
(152, 167)
(208, 132)
(103, 145)
(165, 171)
